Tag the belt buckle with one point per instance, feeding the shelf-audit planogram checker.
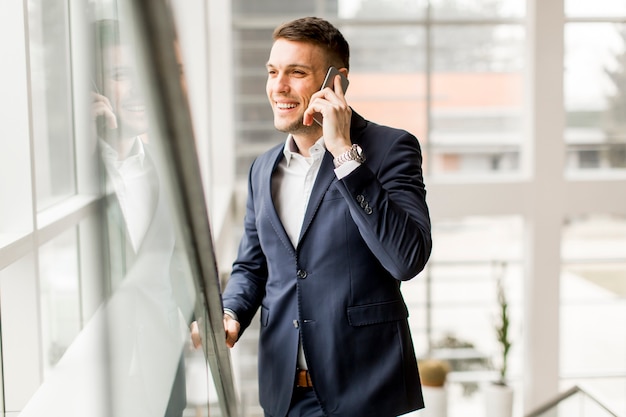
(303, 379)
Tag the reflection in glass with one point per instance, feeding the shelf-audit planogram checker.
(51, 87)
(477, 99)
(593, 304)
(595, 96)
(150, 308)
(60, 296)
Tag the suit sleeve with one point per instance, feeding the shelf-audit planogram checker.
(387, 201)
(246, 287)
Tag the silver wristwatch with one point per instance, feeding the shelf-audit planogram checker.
(355, 153)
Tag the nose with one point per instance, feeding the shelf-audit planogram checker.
(279, 83)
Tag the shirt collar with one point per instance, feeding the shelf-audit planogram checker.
(316, 151)
(111, 155)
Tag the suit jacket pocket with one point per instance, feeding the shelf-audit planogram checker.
(377, 313)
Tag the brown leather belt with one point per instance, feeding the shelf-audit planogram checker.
(303, 379)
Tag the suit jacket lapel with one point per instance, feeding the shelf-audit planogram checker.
(325, 177)
(266, 195)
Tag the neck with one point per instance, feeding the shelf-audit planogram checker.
(123, 146)
(304, 143)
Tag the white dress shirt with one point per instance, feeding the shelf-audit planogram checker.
(132, 183)
(292, 183)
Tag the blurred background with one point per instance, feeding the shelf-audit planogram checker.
(520, 109)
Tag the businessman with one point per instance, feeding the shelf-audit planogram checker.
(336, 219)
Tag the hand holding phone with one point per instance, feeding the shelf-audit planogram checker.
(329, 81)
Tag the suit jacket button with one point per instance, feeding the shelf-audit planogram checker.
(301, 274)
(360, 199)
(368, 210)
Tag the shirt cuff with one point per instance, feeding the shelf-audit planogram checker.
(231, 313)
(346, 168)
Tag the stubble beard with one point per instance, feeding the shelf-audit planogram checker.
(297, 127)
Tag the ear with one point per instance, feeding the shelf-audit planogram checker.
(344, 71)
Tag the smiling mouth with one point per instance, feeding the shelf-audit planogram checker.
(135, 108)
(286, 106)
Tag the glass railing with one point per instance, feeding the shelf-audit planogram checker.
(575, 402)
(157, 316)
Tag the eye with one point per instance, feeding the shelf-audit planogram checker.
(120, 75)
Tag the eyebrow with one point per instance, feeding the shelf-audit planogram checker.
(292, 66)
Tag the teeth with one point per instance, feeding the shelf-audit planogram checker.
(286, 105)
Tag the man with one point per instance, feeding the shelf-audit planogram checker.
(335, 219)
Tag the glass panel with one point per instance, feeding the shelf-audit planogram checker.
(254, 125)
(477, 9)
(454, 310)
(477, 99)
(60, 299)
(578, 404)
(595, 96)
(604, 8)
(593, 304)
(382, 9)
(21, 347)
(51, 106)
(152, 290)
(16, 217)
(274, 8)
(387, 81)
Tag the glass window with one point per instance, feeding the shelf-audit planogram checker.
(476, 110)
(603, 8)
(453, 304)
(382, 9)
(16, 216)
(387, 76)
(21, 348)
(476, 9)
(59, 296)
(272, 8)
(595, 96)
(51, 100)
(593, 306)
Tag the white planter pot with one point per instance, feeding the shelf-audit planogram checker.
(498, 401)
(435, 402)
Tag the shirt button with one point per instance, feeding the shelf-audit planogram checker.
(301, 274)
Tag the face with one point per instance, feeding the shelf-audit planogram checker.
(295, 71)
(120, 86)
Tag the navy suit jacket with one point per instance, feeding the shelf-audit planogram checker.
(340, 287)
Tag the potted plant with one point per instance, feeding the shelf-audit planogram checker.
(433, 374)
(499, 396)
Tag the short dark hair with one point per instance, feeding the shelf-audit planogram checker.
(319, 32)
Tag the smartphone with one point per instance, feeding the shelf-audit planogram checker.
(329, 82)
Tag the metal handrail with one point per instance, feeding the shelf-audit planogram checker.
(565, 395)
(154, 26)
